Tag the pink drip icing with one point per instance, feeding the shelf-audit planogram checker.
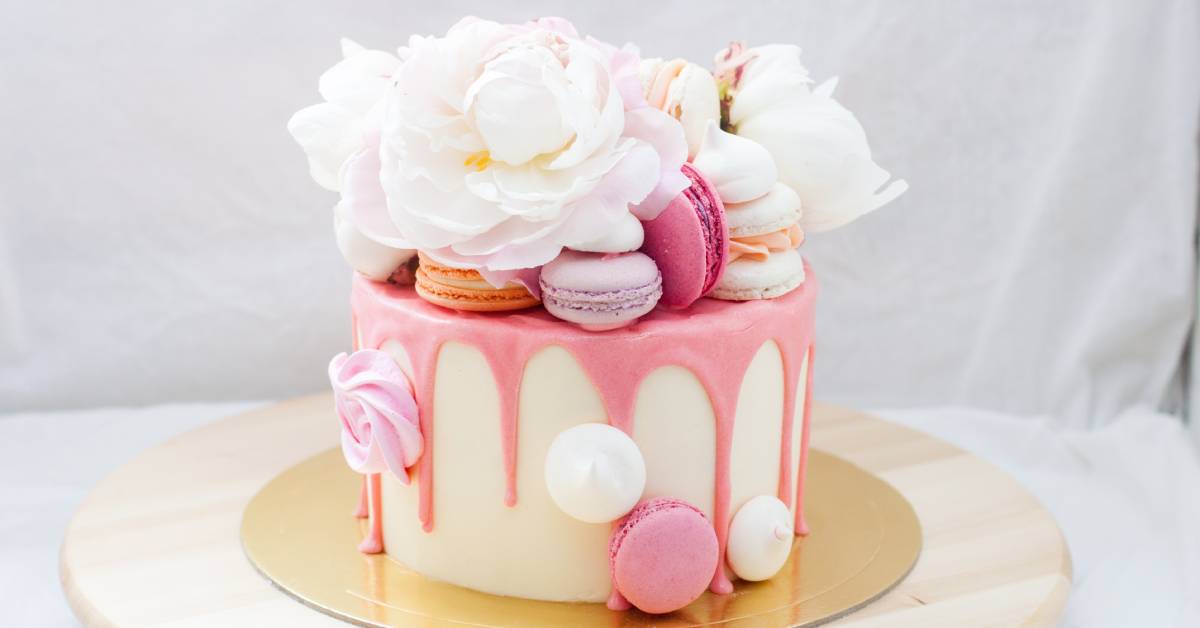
(507, 372)
(615, 361)
(361, 511)
(617, 602)
(373, 542)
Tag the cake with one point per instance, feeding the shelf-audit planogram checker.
(582, 332)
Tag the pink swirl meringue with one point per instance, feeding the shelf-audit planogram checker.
(374, 400)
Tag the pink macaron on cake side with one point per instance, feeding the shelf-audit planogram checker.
(689, 241)
(662, 556)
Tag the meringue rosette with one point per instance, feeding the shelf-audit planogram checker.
(375, 404)
(760, 538)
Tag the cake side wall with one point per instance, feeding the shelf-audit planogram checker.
(531, 549)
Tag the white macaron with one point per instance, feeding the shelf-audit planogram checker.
(749, 279)
(777, 209)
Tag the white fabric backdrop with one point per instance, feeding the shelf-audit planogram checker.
(161, 240)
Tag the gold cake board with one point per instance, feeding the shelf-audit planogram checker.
(298, 532)
(158, 542)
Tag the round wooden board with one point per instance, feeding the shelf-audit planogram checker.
(157, 542)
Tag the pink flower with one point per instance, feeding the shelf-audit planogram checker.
(374, 400)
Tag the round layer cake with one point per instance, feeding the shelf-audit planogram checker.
(716, 398)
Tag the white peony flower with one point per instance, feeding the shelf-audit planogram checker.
(332, 131)
(502, 144)
(819, 147)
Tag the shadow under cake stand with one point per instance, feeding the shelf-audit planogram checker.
(159, 541)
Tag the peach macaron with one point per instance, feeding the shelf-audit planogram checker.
(466, 290)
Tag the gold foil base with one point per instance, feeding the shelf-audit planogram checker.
(298, 532)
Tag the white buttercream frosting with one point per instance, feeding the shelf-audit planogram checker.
(741, 169)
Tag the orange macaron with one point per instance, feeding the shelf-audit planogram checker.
(466, 290)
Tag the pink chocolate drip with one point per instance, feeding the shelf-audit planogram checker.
(616, 362)
(361, 511)
(373, 542)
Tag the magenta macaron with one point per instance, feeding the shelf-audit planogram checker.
(600, 291)
(662, 556)
(689, 241)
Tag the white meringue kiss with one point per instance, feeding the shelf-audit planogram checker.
(739, 168)
(595, 472)
(760, 538)
(626, 235)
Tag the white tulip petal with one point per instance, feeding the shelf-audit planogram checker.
(819, 147)
(822, 154)
(350, 47)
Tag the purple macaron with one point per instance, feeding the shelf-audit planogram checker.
(599, 291)
(689, 242)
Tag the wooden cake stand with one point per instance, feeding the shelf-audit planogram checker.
(157, 542)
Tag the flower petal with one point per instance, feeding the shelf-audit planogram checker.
(329, 135)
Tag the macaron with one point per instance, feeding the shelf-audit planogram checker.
(689, 241)
(598, 291)
(747, 279)
(686, 91)
(662, 556)
(406, 273)
(764, 226)
(778, 209)
(466, 290)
